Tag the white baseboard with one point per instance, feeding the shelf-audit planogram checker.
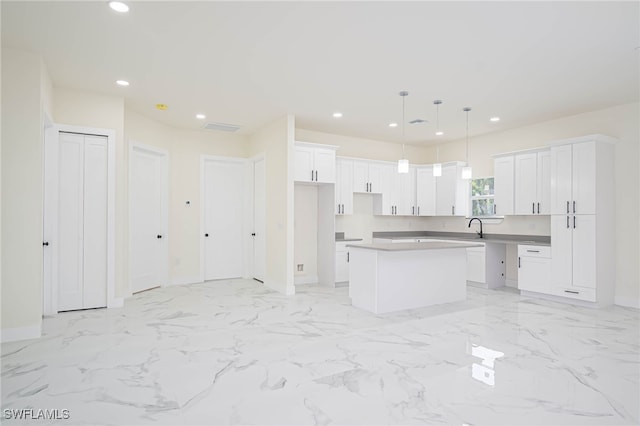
(305, 279)
(185, 280)
(21, 333)
(627, 302)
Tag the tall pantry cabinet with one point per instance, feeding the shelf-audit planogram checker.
(583, 219)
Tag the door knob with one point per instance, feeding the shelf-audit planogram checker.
(159, 236)
(206, 235)
(46, 243)
(253, 234)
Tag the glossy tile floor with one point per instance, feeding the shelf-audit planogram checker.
(233, 352)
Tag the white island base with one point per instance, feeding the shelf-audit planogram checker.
(392, 277)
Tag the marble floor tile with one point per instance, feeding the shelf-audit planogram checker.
(234, 352)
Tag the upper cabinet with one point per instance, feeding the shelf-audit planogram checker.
(532, 182)
(344, 186)
(367, 176)
(452, 192)
(398, 192)
(577, 176)
(315, 163)
(503, 171)
(425, 191)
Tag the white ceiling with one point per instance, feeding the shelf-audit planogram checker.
(247, 63)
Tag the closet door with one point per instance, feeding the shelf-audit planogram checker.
(82, 221)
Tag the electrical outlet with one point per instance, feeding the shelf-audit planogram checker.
(300, 267)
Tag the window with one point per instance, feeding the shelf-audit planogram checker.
(482, 197)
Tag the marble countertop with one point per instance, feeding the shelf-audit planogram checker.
(430, 245)
(540, 240)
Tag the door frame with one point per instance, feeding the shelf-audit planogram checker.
(251, 218)
(163, 154)
(204, 158)
(50, 212)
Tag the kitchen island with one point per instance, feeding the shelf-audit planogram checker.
(392, 277)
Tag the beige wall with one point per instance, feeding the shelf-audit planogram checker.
(23, 100)
(275, 141)
(305, 249)
(185, 148)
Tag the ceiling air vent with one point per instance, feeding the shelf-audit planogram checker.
(418, 121)
(221, 126)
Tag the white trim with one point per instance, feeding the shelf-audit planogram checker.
(116, 302)
(21, 333)
(50, 287)
(163, 154)
(185, 280)
(305, 279)
(203, 159)
(627, 302)
(560, 299)
(586, 138)
(251, 215)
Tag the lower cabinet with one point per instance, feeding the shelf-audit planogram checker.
(342, 261)
(476, 265)
(534, 268)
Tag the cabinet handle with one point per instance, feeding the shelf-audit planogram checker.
(206, 235)
(311, 175)
(495, 208)
(567, 222)
(567, 207)
(533, 251)
(418, 210)
(572, 292)
(574, 206)
(518, 261)
(45, 243)
(158, 236)
(370, 187)
(574, 222)
(538, 208)
(533, 208)
(453, 210)
(316, 175)
(343, 209)
(347, 257)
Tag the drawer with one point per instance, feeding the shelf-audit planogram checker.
(534, 251)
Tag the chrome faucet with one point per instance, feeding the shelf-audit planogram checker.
(478, 219)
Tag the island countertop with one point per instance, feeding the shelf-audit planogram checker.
(429, 245)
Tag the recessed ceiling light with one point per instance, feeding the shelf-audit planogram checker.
(122, 82)
(201, 116)
(439, 133)
(494, 119)
(118, 6)
(393, 124)
(337, 115)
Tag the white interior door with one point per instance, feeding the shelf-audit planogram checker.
(259, 201)
(223, 200)
(148, 255)
(82, 221)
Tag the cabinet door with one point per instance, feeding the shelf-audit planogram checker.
(476, 265)
(375, 177)
(525, 183)
(503, 170)
(446, 191)
(584, 178)
(303, 164)
(388, 187)
(544, 183)
(560, 179)
(344, 186)
(561, 251)
(360, 176)
(325, 165)
(425, 191)
(534, 273)
(406, 199)
(584, 251)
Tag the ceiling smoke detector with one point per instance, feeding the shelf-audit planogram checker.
(223, 127)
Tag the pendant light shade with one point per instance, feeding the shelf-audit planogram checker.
(403, 163)
(467, 172)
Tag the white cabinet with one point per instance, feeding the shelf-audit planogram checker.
(476, 265)
(532, 183)
(406, 200)
(398, 192)
(342, 260)
(503, 171)
(315, 163)
(583, 219)
(534, 268)
(344, 186)
(452, 192)
(367, 176)
(425, 191)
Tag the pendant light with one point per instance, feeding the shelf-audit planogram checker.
(466, 170)
(403, 163)
(437, 167)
